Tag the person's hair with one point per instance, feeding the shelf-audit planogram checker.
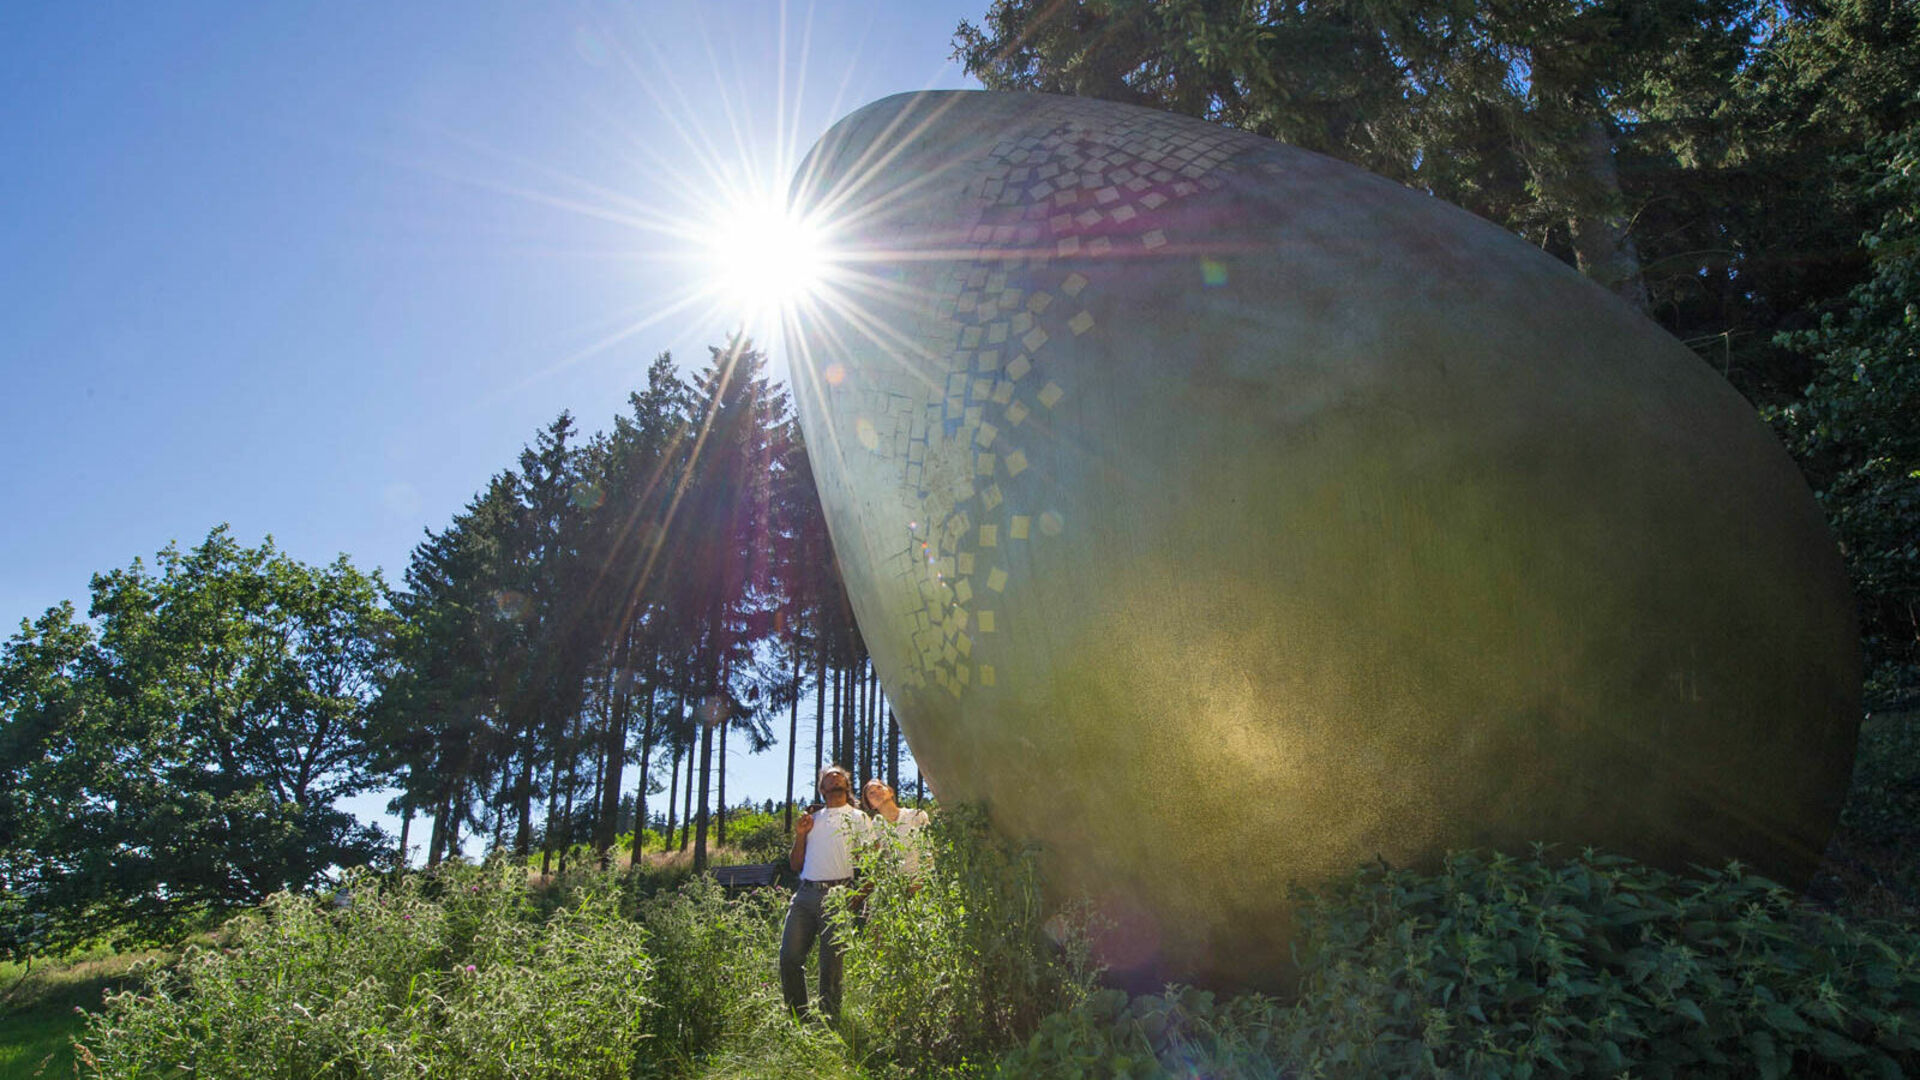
(820, 782)
(892, 794)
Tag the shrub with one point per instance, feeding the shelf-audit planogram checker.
(1511, 967)
(650, 840)
(958, 964)
(1503, 966)
(1185, 1033)
(716, 965)
(452, 973)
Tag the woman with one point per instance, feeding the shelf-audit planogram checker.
(901, 824)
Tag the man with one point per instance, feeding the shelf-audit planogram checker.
(824, 844)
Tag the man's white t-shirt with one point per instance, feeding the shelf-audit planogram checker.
(906, 833)
(830, 846)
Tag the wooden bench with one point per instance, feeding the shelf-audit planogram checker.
(746, 875)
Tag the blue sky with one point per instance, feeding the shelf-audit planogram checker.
(319, 270)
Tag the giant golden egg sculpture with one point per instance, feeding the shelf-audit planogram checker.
(1224, 516)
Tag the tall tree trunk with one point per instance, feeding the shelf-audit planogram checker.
(553, 807)
(686, 796)
(614, 761)
(858, 729)
(673, 804)
(646, 763)
(793, 738)
(893, 750)
(706, 771)
(438, 838)
(720, 768)
(860, 724)
(850, 721)
(837, 727)
(573, 738)
(1569, 147)
(850, 716)
(1603, 246)
(873, 720)
(819, 715)
(523, 796)
(406, 826)
(500, 810)
(863, 748)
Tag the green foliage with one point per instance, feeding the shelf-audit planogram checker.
(1499, 966)
(759, 836)
(454, 973)
(1883, 805)
(1515, 967)
(1184, 1033)
(1873, 864)
(494, 972)
(183, 753)
(649, 841)
(716, 973)
(1490, 967)
(953, 964)
(1857, 431)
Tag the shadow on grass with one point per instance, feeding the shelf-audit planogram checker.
(41, 1010)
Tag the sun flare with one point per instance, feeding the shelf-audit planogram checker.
(764, 260)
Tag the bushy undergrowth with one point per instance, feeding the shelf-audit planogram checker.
(715, 972)
(494, 972)
(1517, 967)
(1494, 966)
(759, 836)
(456, 973)
(956, 963)
(1183, 1033)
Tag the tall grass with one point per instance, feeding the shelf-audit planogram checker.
(43, 1006)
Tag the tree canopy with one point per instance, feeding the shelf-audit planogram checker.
(183, 751)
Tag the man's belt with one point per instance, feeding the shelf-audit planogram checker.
(825, 884)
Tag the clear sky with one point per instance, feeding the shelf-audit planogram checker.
(319, 270)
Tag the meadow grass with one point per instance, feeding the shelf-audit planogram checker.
(44, 1006)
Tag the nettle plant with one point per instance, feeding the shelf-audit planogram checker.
(1498, 966)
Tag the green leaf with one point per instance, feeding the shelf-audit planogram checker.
(1784, 1018)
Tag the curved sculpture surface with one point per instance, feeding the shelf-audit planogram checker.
(1224, 516)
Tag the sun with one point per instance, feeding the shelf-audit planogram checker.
(764, 260)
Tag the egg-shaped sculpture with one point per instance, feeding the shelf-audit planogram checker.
(1223, 517)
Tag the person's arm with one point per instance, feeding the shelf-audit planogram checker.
(797, 857)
